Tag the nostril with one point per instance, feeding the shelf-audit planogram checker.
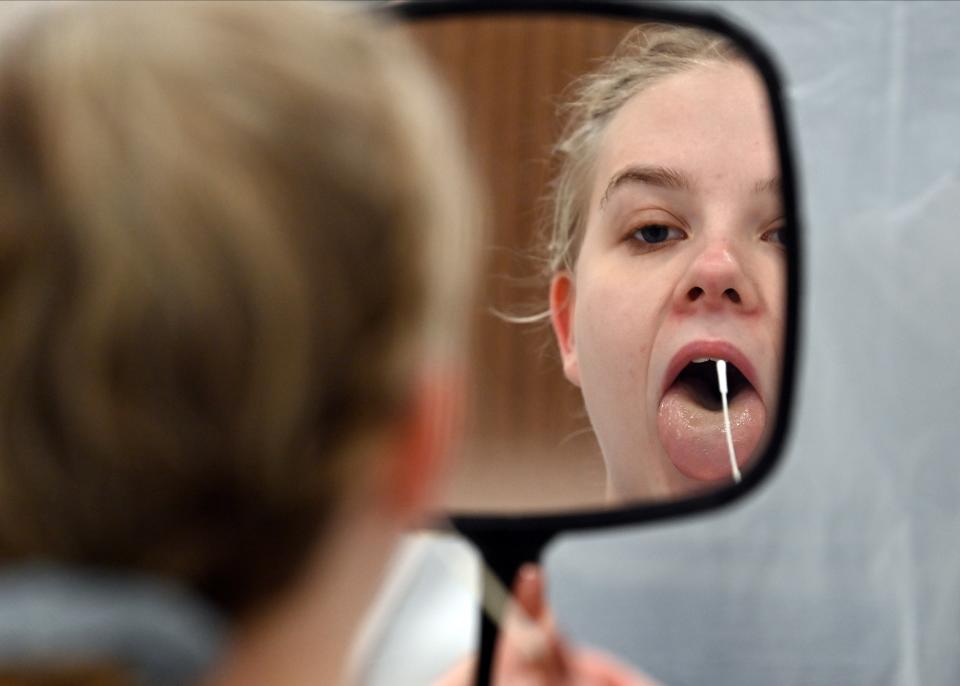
(733, 295)
(694, 293)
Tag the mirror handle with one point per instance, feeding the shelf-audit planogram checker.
(502, 554)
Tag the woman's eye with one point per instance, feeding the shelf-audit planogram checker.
(777, 235)
(651, 234)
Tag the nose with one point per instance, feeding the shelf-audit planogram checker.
(716, 279)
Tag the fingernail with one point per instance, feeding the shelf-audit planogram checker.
(527, 574)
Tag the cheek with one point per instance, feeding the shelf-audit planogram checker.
(615, 326)
(773, 285)
(771, 281)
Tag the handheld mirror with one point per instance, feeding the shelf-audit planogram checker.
(642, 238)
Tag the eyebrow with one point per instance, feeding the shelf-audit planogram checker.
(662, 177)
(772, 184)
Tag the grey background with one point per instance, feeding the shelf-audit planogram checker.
(845, 567)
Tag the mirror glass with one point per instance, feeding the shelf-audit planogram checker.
(635, 241)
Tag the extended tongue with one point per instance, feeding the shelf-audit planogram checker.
(694, 436)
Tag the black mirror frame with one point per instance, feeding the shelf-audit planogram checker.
(476, 526)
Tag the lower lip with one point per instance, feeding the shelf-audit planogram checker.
(694, 436)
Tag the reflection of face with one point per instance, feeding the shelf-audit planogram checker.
(681, 260)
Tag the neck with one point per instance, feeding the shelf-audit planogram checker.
(305, 637)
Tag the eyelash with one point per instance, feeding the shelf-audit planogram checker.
(779, 230)
(644, 243)
(640, 242)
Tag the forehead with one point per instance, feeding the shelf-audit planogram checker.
(712, 122)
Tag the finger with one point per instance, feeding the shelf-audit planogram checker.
(526, 649)
(599, 669)
(528, 590)
(523, 629)
(534, 636)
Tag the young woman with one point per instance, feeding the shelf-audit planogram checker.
(666, 255)
(235, 251)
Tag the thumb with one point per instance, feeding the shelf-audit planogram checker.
(528, 591)
(535, 647)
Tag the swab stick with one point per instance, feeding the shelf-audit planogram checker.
(722, 376)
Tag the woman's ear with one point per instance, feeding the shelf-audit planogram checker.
(426, 437)
(562, 302)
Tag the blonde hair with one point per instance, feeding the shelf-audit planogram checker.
(228, 233)
(647, 54)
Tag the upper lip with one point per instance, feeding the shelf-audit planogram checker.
(716, 349)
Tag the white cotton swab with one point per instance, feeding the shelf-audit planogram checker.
(722, 376)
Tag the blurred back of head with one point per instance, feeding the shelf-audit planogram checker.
(229, 234)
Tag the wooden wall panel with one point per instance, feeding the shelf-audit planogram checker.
(529, 443)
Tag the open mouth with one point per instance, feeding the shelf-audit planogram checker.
(690, 414)
(699, 378)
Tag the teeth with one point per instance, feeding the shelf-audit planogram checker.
(700, 360)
